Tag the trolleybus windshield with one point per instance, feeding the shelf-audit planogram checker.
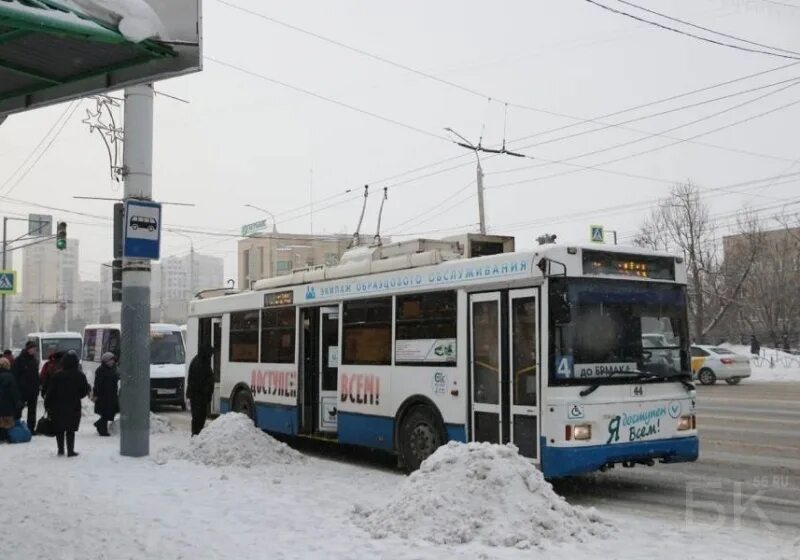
(613, 331)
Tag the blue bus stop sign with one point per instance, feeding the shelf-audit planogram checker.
(142, 229)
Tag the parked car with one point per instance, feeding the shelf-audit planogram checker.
(710, 363)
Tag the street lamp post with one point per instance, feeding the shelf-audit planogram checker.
(267, 212)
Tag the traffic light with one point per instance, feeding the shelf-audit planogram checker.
(61, 236)
(116, 280)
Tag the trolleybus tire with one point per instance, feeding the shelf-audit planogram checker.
(421, 433)
(733, 380)
(243, 403)
(707, 377)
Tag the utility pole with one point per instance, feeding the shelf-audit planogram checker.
(3, 309)
(481, 214)
(476, 150)
(135, 313)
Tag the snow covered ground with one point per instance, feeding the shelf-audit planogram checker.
(771, 365)
(286, 505)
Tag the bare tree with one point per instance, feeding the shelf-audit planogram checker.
(681, 223)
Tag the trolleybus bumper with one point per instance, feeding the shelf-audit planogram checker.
(567, 461)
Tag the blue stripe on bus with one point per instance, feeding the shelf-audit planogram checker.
(271, 417)
(568, 461)
(456, 432)
(378, 431)
(366, 430)
(278, 418)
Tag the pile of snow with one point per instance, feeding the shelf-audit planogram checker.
(233, 440)
(480, 492)
(770, 365)
(158, 425)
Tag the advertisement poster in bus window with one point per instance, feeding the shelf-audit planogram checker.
(426, 350)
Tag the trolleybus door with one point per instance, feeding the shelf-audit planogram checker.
(486, 367)
(328, 368)
(209, 332)
(216, 343)
(523, 340)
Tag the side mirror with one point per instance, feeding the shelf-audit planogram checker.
(560, 308)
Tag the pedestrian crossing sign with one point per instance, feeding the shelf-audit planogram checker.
(8, 282)
(597, 234)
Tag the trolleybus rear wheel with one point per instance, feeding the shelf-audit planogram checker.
(243, 403)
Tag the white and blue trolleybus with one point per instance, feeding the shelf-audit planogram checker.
(406, 351)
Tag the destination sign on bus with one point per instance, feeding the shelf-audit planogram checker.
(279, 298)
(636, 266)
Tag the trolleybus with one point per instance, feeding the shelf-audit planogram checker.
(543, 349)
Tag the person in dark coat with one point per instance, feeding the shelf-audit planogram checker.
(10, 401)
(105, 393)
(63, 401)
(200, 387)
(755, 346)
(26, 372)
(50, 367)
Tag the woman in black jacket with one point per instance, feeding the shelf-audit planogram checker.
(10, 401)
(63, 401)
(105, 393)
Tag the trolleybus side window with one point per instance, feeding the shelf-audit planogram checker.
(277, 335)
(367, 332)
(524, 368)
(244, 336)
(426, 329)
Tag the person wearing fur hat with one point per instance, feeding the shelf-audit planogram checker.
(63, 401)
(106, 392)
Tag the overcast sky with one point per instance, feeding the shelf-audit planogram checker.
(242, 139)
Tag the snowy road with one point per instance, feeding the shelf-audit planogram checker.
(748, 472)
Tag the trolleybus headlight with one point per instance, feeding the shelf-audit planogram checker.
(686, 423)
(582, 432)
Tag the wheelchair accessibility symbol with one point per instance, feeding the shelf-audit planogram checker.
(575, 412)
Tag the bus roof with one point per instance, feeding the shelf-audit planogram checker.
(157, 327)
(424, 271)
(55, 334)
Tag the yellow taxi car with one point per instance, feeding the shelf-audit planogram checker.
(710, 363)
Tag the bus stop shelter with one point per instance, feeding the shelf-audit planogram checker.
(50, 52)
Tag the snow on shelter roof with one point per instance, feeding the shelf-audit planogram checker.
(46, 44)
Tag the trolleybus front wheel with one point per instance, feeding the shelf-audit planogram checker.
(421, 433)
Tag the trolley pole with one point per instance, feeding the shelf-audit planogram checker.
(135, 314)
